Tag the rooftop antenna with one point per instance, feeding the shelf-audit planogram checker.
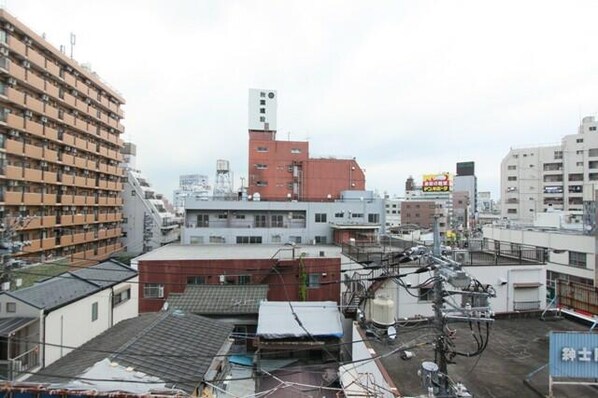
(73, 41)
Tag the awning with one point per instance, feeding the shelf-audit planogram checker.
(526, 285)
(9, 326)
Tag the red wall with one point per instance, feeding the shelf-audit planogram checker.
(318, 179)
(173, 274)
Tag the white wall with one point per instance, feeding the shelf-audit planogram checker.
(364, 372)
(502, 278)
(130, 308)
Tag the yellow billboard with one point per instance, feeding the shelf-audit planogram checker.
(440, 182)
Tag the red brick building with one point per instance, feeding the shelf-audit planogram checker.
(294, 274)
(283, 170)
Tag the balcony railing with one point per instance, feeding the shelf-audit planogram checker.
(13, 368)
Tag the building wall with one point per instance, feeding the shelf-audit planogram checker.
(560, 246)
(326, 178)
(61, 130)
(539, 179)
(129, 308)
(419, 212)
(504, 279)
(283, 284)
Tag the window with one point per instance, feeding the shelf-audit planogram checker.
(276, 239)
(249, 239)
(295, 239)
(262, 102)
(261, 166)
(203, 221)
(94, 311)
(244, 280)
(374, 218)
(262, 119)
(196, 240)
(580, 152)
(153, 290)
(512, 211)
(260, 221)
(558, 154)
(133, 193)
(592, 128)
(313, 281)
(577, 259)
(217, 239)
(320, 217)
(276, 221)
(426, 294)
(262, 149)
(357, 215)
(196, 280)
(3, 36)
(295, 150)
(321, 240)
(262, 94)
(511, 167)
(262, 183)
(339, 214)
(593, 152)
(121, 297)
(512, 178)
(223, 216)
(11, 307)
(262, 110)
(579, 140)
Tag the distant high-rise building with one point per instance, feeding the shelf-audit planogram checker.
(466, 181)
(555, 177)
(60, 128)
(282, 169)
(410, 184)
(196, 185)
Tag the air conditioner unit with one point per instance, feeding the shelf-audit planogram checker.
(14, 133)
(28, 114)
(12, 81)
(26, 64)
(9, 27)
(45, 97)
(111, 130)
(74, 93)
(88, 100)
(461, 256)
(44, 120)
(4, 51)
(74, 150)
(67, 149)
(67, 168)
(76, 113)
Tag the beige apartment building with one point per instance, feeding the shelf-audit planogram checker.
(60, 179)
(546, 178)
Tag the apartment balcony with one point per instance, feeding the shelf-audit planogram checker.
(35, 104)
(79, 238)
(68, 179)
(103, 217)
(13, 172)
(50, 88)
(35, 81)
(80, 182)
(79, 200)
(89, 236)
(89, 200)
(68, 160)
(36, 58)
(17, 47)
(31, 198)
(15, 96)
(81, 163)
(35, 128)
(82, 106)
(17, 71)
(70, 79)
(50, 155)
(32, 151)
(35, 245)
(33, 223)
(48, 221)
(33, 175)
(49, 199)
(13, 147)
(15, 122)
(102, 234)
(68, 139)
(66, 240)
(67, 199)
(48, 243)
(13, 198)
(49, 177)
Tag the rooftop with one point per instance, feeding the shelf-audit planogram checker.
(62, 289)
(280, 319)
(219, 299)
(142, 344)
(516, 348)
(227, 252)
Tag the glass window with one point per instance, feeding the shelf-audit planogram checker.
(276, 220)
(11, 307)
(94, 311)
(320, 217)
(374, 218)
(153, 290)
(244, 279)
(577, 259)
(196, 280)
(313, 281)
(121, 297)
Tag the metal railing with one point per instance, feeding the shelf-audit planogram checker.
(11, 369)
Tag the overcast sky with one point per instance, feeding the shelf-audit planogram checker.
(406, 87)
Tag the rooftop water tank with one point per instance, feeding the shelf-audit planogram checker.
(383, 311)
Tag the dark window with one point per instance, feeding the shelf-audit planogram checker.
(153, 290)
(426, 294)
(374, 218)
(320, 217)
(11, 307)
(313, 281)
(244, 279)
(196, 280)
(276, 221)
(577, 259)
(203, 220)
(321, 240)
(121, 297)
(260, 221)
(94, 311)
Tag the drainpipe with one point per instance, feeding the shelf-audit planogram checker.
(44, 340)
(110, 303)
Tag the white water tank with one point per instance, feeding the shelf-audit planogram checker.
(383, 311)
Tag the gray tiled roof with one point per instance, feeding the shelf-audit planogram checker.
(219, 299)
(175, 347)
(69, 286)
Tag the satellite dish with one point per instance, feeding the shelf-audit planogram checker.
(392, 332)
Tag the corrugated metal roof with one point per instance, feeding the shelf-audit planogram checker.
(219, 299)
(10, 325)
(280, 319)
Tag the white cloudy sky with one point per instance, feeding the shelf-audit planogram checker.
(407, 87)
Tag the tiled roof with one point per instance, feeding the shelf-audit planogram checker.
(219, 299)
(175, 347)
(9, 325)
(70, 286)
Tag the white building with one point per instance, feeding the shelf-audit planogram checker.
(571, 254)
(393, 213)
(147, 223)
(45, 321)
(540, 179)
(262, 109)
(190, 185)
